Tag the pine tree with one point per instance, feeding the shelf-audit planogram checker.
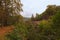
(32, 17)
(9, 9)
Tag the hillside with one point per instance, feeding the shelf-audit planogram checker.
(50, 11)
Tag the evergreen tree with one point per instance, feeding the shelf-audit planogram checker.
(32, 18)
(9, 9)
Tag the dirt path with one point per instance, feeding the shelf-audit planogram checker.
(4, 31)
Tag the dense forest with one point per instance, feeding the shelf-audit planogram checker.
(44, 26)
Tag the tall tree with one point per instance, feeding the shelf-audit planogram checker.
(8, 9)
(32, 17)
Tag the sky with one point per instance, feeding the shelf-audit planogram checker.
(36, 6)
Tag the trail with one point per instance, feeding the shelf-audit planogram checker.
(4, 31)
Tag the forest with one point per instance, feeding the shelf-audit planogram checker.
(44, 26)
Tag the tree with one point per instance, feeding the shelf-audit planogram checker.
(37, 17)
(32, 18)
(9, 9)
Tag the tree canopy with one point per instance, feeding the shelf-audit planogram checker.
(8, 10)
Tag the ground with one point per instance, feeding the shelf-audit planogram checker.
(4, 31)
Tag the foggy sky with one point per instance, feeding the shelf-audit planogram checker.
(36, 6)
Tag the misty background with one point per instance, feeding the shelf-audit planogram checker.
(36, 6)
